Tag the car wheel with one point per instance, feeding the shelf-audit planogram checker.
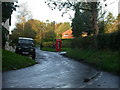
(33, 56)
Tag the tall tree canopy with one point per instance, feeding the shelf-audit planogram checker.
(118, 18)
(62, 28)
(110, 24)
(35, 29)
(50, 31)
(77, 6)
(39, 27)
(23, 14)
(19, 32)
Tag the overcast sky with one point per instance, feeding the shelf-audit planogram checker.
(42, 12)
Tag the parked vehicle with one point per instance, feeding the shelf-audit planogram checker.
(25, 46)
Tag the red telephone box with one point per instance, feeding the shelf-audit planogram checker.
(58, 44)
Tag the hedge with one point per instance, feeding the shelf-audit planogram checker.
(48, 44)
(110, 41)
(86, 42)
(51, 43)
(104, 41)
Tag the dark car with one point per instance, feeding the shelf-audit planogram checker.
(25, 46)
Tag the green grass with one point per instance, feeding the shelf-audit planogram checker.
(11, 61)
(104, 60)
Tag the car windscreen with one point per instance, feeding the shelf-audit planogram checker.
(25, 41)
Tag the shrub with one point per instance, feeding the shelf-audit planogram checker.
(51, 43)
(110, 41)
(104, 41)
(66, 42)
(48, 44)
(85, 42)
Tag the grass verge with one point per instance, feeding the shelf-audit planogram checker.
(12, 61)
(105, 60)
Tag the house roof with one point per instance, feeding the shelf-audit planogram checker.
(68, 31)
(67, 34)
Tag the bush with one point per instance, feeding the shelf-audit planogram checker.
(86, 42)
(104, 41)
(110, 41)
(48, 44)
(48, 39)
(66, 42)
(51, 43)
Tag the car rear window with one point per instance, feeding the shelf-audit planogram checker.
(25, 41)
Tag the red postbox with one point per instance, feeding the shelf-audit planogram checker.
(58, 44)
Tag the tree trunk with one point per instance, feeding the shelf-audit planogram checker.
(95, 23)
(95, 15)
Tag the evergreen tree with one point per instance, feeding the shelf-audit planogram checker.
(77, 23)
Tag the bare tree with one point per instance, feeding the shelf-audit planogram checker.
(23, 13)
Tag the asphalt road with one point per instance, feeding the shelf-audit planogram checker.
(55, 71)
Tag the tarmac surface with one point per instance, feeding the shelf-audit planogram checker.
(56, 71)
